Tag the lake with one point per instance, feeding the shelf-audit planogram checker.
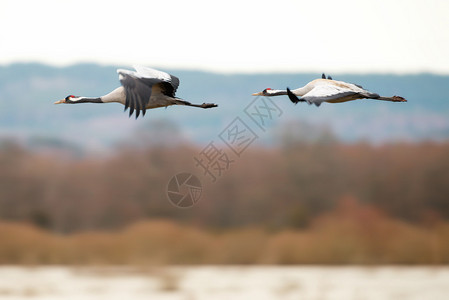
(225, 282)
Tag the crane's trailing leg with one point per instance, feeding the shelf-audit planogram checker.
(393, 99)
(187, 103)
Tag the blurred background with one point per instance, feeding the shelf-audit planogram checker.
(344, 201)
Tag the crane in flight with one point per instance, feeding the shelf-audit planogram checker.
(142, 89)
(327, 90)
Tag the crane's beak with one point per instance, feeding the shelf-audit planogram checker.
(60, 101)
(258, 94)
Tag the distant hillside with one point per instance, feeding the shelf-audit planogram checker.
(27, 93)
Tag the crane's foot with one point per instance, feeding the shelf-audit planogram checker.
(208, 105)
(398, 99)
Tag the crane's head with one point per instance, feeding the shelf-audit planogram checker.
(265, 92)
(68, 99)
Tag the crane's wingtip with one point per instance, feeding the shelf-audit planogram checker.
(293, 98)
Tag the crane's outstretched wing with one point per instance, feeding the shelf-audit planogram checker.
(170, 82)
(137, 92)
(138, 87)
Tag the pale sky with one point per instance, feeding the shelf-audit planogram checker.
(383, 36)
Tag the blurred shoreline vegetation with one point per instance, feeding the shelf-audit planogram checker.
(351, 234)
(60, 188)
(310, 199)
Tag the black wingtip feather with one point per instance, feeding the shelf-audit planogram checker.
(126, 102)
(137, 111)
(292, 96)
(138, 93)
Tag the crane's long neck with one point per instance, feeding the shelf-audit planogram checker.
(117, 95)
(275, 92)
(298, 92)
(85, 100)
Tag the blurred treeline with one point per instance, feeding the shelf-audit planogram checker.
(351, 234)
(309, 199)
(275, 188)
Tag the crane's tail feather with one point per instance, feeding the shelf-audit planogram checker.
(293, 98)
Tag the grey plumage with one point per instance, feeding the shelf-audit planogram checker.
(139, 85)
(142, 89)
(327, 90)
